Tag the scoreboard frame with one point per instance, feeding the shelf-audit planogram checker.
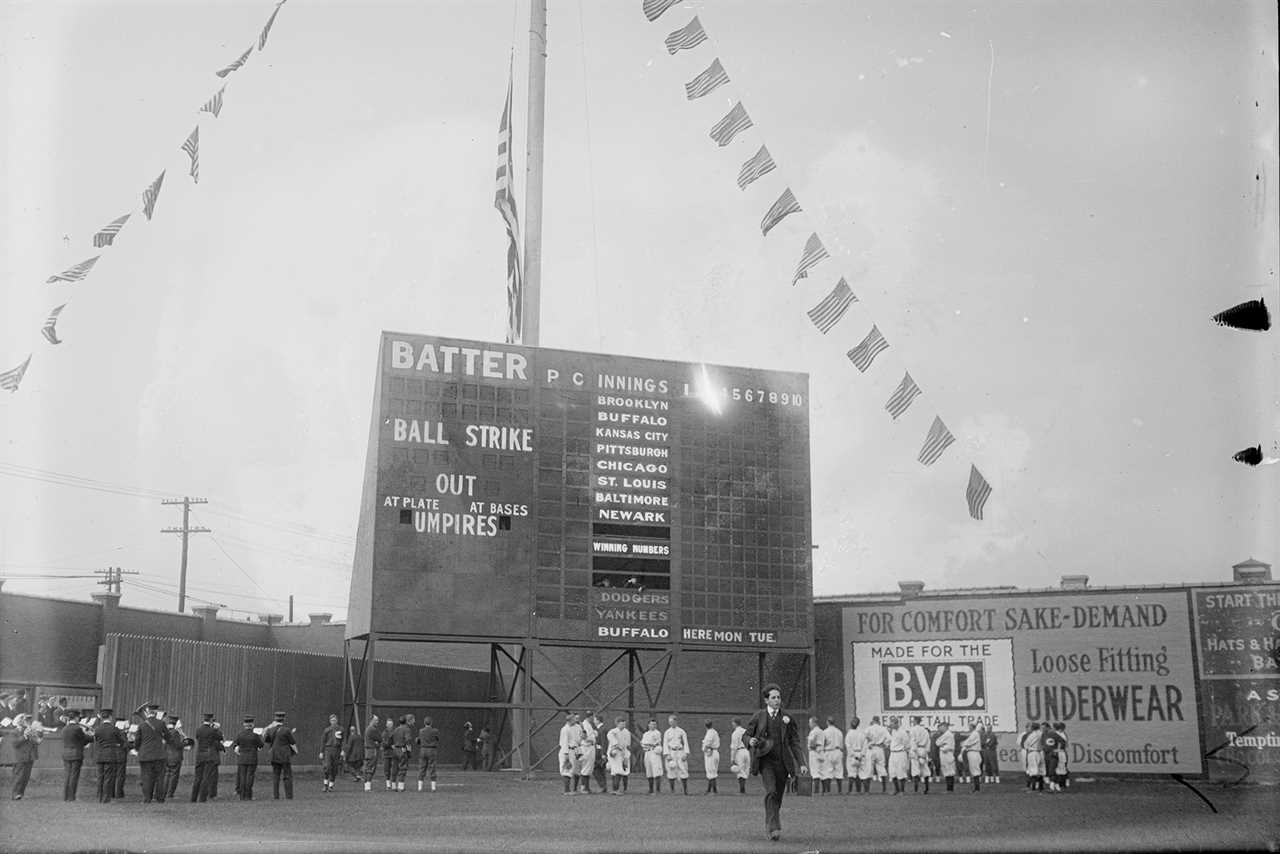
(529, 493)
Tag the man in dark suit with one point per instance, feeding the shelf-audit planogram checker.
(74, 738)
(282, 745)
(246, 745)
(108, 747)
(176, 742)
(208, 740)
(151, 739)
(776, 754)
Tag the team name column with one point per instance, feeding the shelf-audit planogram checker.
(631, 460)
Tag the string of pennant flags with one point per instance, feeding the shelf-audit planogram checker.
(833, 307)
(106, 236)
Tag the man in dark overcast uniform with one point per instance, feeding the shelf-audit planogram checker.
(246, 745)
(108, 747)
(208, 743)
(74, 738)
(151, 739)
(283, 745)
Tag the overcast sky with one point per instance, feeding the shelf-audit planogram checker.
(1040, 205)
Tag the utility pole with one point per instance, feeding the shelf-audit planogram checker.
(532, 312)
(113, 577)
(186, 531)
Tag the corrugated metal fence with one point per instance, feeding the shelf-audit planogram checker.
(191, 678)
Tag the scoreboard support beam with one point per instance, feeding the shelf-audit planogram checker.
(528, 705)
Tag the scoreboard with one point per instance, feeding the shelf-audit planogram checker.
(517, 491)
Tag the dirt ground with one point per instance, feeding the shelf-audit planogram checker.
(476, 811)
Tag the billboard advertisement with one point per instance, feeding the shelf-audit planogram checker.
(513, 491)
(1238, 638)
(964, 682)
(1117, 668)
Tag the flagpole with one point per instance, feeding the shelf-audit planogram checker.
(531, 313)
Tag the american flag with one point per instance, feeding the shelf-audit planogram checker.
(214, 104)
(734, 123)
(653, 9)
(814, 252)
(9, 379)
(244, 57)
(689, 36)
(781, 209)
(505, 201)
(977, 492)
(827, 313)
(936, 442)
(865, 353)
(48, 330)
(150, 195)
(192, 148)
(74, 274)
(107, 234)
(902, 396)
(708, 81)
(760, 163)
(262, 39)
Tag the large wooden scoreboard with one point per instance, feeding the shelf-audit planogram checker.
(519, 492)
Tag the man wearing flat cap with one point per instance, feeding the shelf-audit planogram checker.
(208, 740)
(246, 745)
(108, 749)
(150, 740)
(283, 745)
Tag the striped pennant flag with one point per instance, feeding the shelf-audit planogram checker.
(689, 36)
(214, 104)
(865, 353)
(48, 330)
(760, 163)
(827, 313)
(262, 39)
(902, 396)
(9, 379)
(107, 234)
(653, 9)
(814, 252)
(74, 274)
(977, 492)
(734, 123)
(192, 148)
(780, 210)
(505, 201)
(706, 82)
(244, 57)
(936, 442)
(151, 194)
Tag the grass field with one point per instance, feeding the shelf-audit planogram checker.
(501, 812)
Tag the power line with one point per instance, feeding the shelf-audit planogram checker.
(295, 528)
(60, 479)
(109, 487)
(345, 563)
(50, 564)
(234, 563)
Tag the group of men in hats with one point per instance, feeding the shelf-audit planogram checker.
(160, 745)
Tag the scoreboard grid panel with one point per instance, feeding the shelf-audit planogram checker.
(732, 548)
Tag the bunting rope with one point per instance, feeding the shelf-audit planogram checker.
(106, 236)
(827, 313)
